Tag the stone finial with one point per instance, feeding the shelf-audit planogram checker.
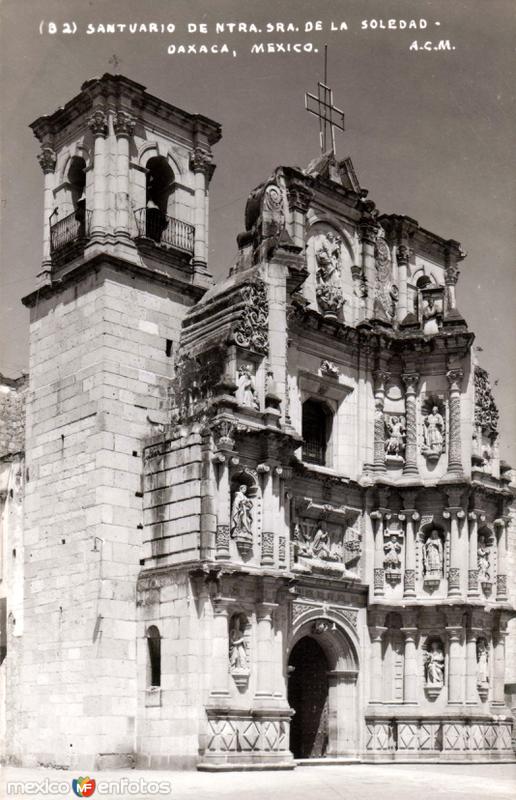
(124, 124)
(98, 123)
(47, 159)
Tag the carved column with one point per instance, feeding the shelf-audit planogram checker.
(499, 661)
(47, 161)
(380, 378)
(455, 451)
(99, 127)
(267, 558)
(456, 661)
(451, 274)
(473, 632)
(220, 660)
(368, 231)
(123, 126)
(378, 575)
(265, 650)
(501, 570)
(454, 513)
(200, 163)
(402, 258)
(410, 668)
(376, 631)
(409, 582)
(223, 507)
(411, 380)
(473, 554)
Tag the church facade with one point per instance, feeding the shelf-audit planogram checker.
(255, 521)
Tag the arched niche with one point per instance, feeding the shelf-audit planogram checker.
(329, 258)
(245, 524)
(432, 552)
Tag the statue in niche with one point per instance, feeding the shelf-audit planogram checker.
(433, 431)
(392, 548)
(242, 514)
(395, 443)
(246, 388)
(433, 555)
(237, 646)
(483, 560)
(328, 274)
(434, 664)
(482, 662)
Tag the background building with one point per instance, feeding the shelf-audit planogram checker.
(262, 519)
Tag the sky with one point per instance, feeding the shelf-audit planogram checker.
(430, 132)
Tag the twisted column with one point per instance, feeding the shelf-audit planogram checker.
(380, 378)
(411, 380)
(501, 571)
(99, 127)
(124, 127)
(47, 160)
(455, 451)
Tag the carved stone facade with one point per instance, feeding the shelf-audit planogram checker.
(294, 472)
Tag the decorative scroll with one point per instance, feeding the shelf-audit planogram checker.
(252, 330)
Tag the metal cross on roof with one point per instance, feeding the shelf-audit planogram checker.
(321, 105)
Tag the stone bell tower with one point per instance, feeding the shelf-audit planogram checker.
(126, 186)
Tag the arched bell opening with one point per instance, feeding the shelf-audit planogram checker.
(159, 189)
(322, 672)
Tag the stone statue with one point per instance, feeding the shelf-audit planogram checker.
(321, 544)
(433, 433)
(395, 444)
(433, 555)
(328, 290)
(483, 560)
(392, 548)
(434, 665)
(246, 388)
(242, 514)
(303, 542)
(482, 662)
(237, 648)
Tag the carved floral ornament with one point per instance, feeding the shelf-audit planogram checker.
(252, 329)
(98, 123)
(47, 159)
(201, 161)
(123, 124)
(486, 411)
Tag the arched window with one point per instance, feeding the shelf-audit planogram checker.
(154, 647)
(316, 430)
(159, 188)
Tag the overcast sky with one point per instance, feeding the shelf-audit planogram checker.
(430, 133)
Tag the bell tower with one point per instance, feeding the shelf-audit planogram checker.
(125, 243)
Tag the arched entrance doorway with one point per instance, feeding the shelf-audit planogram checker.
(308, 698)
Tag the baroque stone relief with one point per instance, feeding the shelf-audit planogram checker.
(386, 292)
(433, 556)
(393, 546)
(252, 329)
(433, 659)
(244, 503)
(239, 662)
(484, 560)
(327, 248)
(395, 435)
(320, 543)
(486, 411)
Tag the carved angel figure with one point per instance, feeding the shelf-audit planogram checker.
(433, 431)
(237, 648)
(433, 555)
(483, 559)
(434, 664)
(246, 391)
(242, 513)
(395, 444)
(328, 290)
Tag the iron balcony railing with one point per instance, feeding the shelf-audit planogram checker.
(71, 230)
(165, 231)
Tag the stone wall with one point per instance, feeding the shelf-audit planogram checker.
(13, 394)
